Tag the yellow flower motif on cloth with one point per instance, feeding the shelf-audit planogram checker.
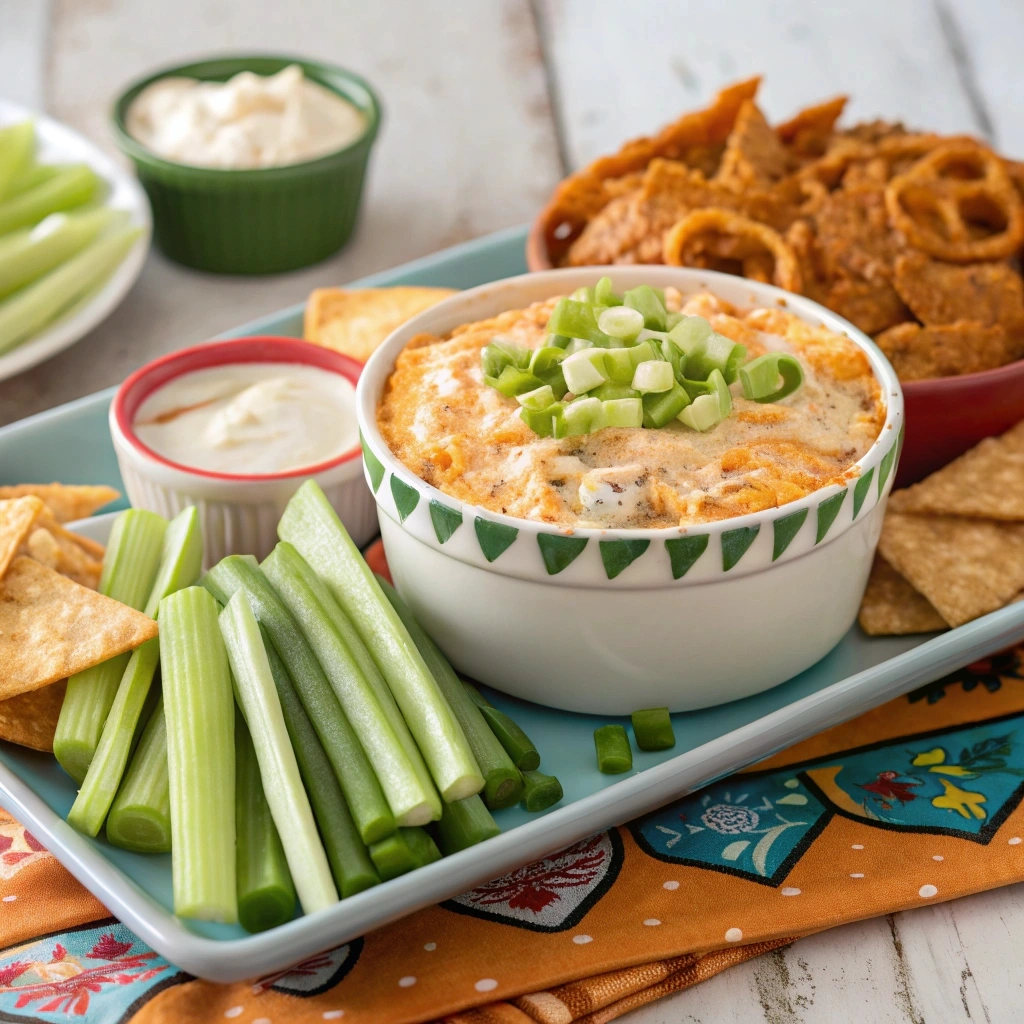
(935, 759)
(963, 801)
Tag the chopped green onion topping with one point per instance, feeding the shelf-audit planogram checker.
(771, 377)
(629, 362)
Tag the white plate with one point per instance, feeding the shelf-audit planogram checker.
(56, 143)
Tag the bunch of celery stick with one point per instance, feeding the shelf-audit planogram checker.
(58, 243)
(306, 740)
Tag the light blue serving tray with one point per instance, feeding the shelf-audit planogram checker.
(71, 444)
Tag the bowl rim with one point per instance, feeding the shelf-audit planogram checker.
(257, 348)
(370, 107)
(766, 294)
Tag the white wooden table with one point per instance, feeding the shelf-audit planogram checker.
(488, 103)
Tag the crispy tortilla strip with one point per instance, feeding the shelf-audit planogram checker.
(942, 293)
(873, 306)
(51, 628)
(964, 567)
(63, 557)
(987, 482)
(920, 353)
(356, 322)
(892, 607)
(16, 518)
(754, 156)
(66, 501)
(808, 130)
(30, 719)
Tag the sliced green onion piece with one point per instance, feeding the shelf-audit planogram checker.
(661, 409)
(672, 319)
(583, 416)
(584, 294)
(577, 320)
(622, 412)
(618, 364)
(512, 381)
(540, 791)
(538, 399)
(558, 341)
(654, 375)
(547, 422)
(464, 823)
(584, 371)
(610, 391)
(652, 336)
(760, 377)
(647, 301)
(621, 322)
(613, 753)
(652, 729)
(604, 294)
(690, 332)
(546, 366)
(501, 353)
(701, 414)
(715, 352)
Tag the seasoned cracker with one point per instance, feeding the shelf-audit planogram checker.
(964, 567)
(66, 501)
(51, 628)
(921, 353)
(892, 607)
(987, 482)
(30, 719)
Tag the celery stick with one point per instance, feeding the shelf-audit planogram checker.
(261, 708)
(503, 785)
(30, 175)
(129, 570)
(409, 801)
(16, 144)
(34, 306)
(313, 527)
(464, 823)
(517, 744)
(362, 791)
(74, 185)
(350, 863)
(140, 817)
(29, 253)
(393, 856)
(354, 642)
(180, 562)
(266, 893)
(200, 713)
(423, 847)
(541, 791)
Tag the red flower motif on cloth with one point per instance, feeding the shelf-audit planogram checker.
(314, 975)
(550, 894)
(65, 985)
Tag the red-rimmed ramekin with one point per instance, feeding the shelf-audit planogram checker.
(239, 514)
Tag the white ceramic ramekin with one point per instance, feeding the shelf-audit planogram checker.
(608, 621)
(239, 514)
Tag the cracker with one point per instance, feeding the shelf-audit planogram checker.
(754, 155)
(987, 481)
(30, 719)
(964, 567)
(66, 501)
(51, 627)
(892, 607)
(16, 518)
(356, 322)
(922, 353)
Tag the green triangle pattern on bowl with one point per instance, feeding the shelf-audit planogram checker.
(559, 551)
(621, 554)
(885, 466)
(373, 465)
(860, 491)
(684, 551)
(446, 520)
(827, 512)
(786, 529)
(406, 497)
(494, 538)
(735, 544)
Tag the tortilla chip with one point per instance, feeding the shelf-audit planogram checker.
(62, 556)
(754, 156)
(987, 482)
(920, 353)
(942, 293)
(892, 607)
(807, 131)
(51, 627)
(66, 501)
(30, 719)
(356, 322)
(964, 567)
(16, 518)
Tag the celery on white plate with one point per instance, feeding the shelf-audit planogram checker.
(71, 186)
(31, 308)
(312, 526)
(282, 784)
(16, 144)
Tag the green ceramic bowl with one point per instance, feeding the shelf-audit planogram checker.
(259, 221)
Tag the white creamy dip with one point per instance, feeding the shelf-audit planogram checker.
(249, 121)
(250, 418)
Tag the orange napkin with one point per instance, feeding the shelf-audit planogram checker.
(913, 803)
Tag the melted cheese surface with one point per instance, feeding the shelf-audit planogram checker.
(451, 429)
